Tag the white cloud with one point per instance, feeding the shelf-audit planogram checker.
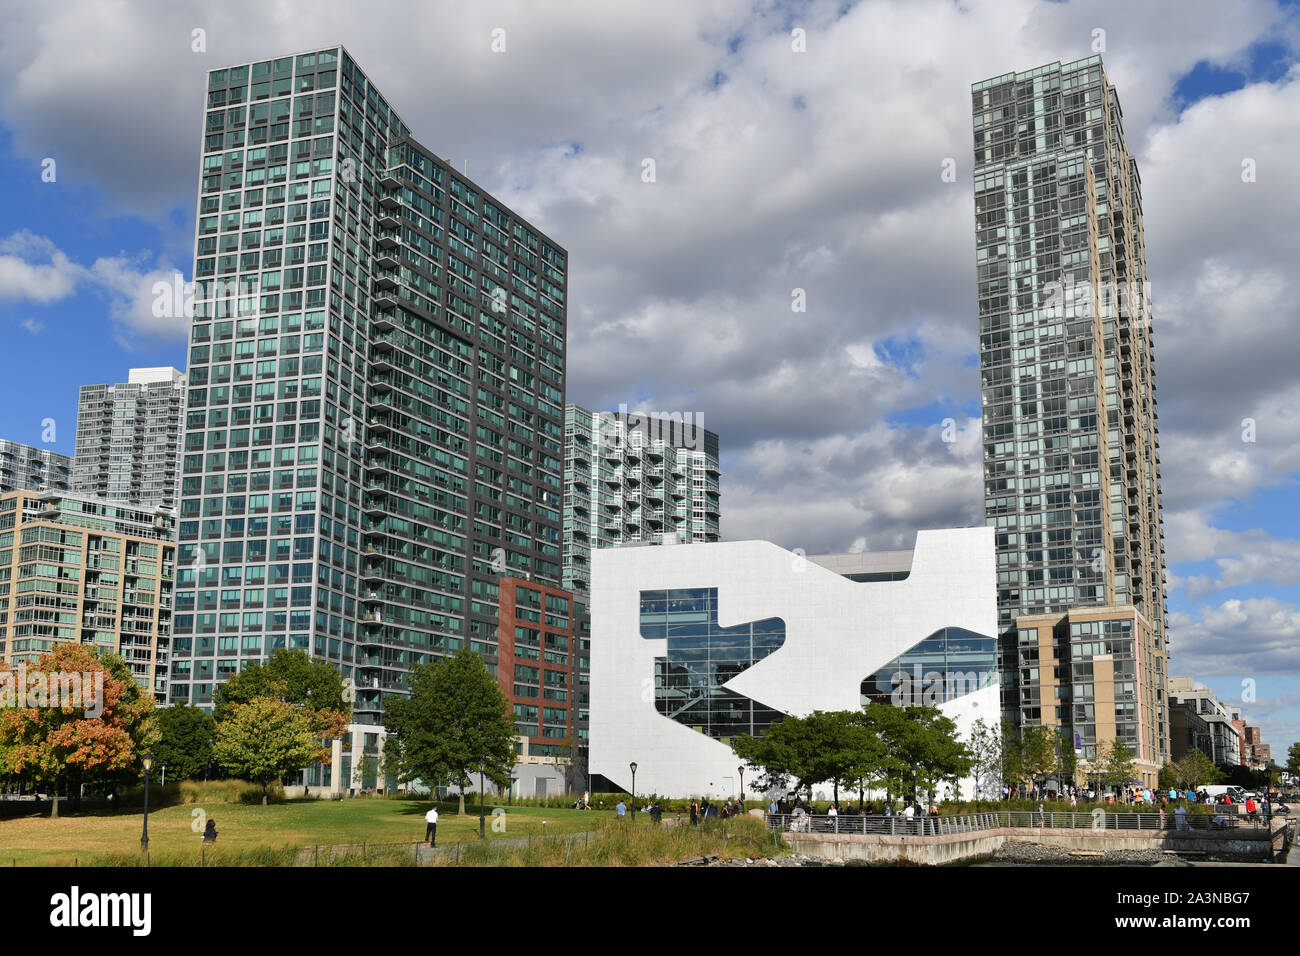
(818, 170)
(32, 269)
(1249, 637)
(125, 282)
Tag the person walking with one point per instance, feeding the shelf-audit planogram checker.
(1180, 817)
(431, 826)
(695, 813)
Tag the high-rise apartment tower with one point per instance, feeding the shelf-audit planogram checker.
(376, 390)
(1071, 446)
(129, 438)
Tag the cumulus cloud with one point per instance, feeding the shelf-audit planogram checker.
(775, 171)
(1252, 636)
(33, 269)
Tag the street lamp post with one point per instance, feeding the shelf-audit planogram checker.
(482, 819)
(632, 767)
(147, 760)
(741, 770)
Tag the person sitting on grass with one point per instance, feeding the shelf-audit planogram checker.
(210, 832)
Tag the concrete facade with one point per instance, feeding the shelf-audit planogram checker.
(837, 633)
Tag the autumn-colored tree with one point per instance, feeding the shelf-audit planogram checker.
(265, 738)
(49, 740)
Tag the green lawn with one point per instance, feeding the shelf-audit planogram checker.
(40, 841)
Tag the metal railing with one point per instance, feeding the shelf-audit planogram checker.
(899, 825)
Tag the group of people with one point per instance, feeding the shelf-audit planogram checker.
(705, 810)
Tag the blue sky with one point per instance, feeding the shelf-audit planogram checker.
(680, 293)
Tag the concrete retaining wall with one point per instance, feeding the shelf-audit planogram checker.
(959, 847)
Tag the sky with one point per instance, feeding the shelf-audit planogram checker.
(779, 172)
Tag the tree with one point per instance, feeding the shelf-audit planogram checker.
(1036, 754)
(869, 762)
(880, 745)
(59, 743)
(292, 676)
(1195, 770)
(266, 738)
(185, 740)
(1169, 778)
(455, 720)
(922, 747)
(825, 746)
(1067, 761)
(987, 747)
(295, 678)
(1293, 758)
(1114, 764)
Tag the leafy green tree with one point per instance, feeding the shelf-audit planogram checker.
(1121, 762)
(1035, 754)
(988, 751)
(186, 735)
(1067, 761)
(1293, 758)
(295, 678)
(824, 746)
(1169, 779)
(1195, 769)
(65, 746)
(922, 747)
(265, 738)
(455, 720)
(880, 745)
(870, 763)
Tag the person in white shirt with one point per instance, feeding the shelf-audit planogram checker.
(431, 826)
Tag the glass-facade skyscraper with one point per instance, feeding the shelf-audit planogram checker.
(1070, 434)
(375, 413)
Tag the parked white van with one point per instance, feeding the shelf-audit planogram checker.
(1219, 789)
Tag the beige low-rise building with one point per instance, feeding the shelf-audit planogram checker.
(80, 569)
